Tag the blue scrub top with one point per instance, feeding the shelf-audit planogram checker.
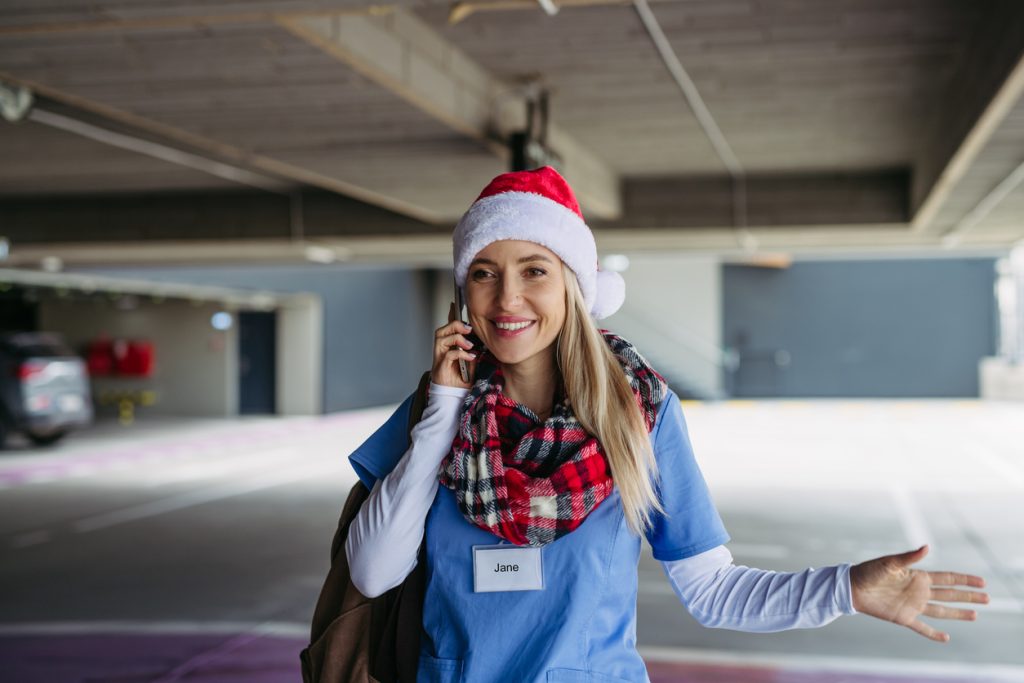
(581, 627)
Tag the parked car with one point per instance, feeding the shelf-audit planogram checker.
(44, 387)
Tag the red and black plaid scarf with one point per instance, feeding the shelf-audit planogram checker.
(527, 481)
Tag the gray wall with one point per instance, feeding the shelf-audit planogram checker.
(884, 328)
(377, 322)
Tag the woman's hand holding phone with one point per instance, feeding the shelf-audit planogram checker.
(451, 346)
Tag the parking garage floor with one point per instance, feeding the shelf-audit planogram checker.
(193, 550)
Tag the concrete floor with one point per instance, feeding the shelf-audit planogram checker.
(194, 550)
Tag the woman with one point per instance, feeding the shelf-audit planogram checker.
(534, 481)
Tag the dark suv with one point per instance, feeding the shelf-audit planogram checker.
(44, 387)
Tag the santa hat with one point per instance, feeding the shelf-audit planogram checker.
(538, 206)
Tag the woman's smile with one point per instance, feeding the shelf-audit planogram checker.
(509, 327)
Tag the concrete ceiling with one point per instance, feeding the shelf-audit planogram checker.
(852, 123)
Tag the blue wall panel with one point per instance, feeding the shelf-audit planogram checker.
(886, 328)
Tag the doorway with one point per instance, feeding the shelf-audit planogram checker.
(257, 367)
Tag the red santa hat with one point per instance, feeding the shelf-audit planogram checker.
(538, 206)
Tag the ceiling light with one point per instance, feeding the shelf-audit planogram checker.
(52, 264)
(318, 254)
(549, 7)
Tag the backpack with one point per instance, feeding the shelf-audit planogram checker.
(355, 639)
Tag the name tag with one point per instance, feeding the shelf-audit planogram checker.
(506, 568)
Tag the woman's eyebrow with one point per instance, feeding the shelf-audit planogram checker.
(524, 259)
(535, 257)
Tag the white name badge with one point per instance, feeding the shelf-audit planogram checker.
(506, 568)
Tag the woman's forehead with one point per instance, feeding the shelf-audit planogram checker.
(516, 251)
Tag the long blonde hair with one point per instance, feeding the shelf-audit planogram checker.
(604, 404)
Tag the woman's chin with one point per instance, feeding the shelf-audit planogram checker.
(512, 353)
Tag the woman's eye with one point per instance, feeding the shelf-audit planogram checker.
(481, 274)
(537, 272)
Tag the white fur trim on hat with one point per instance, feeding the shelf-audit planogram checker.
(535, 218)
(611, 293)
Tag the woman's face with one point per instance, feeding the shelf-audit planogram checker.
(515, 293)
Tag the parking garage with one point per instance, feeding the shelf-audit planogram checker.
(237, 218)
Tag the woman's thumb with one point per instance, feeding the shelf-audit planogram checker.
(912, 556)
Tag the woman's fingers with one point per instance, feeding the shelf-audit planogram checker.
(451, 340)
(453, 327)
(943, 612)
(928, 632)
(451, 346)
(953, 595)
(954, 579)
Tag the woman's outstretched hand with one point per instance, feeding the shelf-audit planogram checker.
(450, 345)
(887, 588)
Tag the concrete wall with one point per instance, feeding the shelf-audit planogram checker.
(673, 315)
(886, 328)
(196, 369)
(377, 322)
(299, 366)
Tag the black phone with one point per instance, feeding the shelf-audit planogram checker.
(461, 315)
(478, 346)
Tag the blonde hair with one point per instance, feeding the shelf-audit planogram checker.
(603, 402)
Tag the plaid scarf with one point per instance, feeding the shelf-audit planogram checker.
(527, 481)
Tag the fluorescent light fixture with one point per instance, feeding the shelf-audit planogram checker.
(318, 254)
(550, 8)
(52, 264)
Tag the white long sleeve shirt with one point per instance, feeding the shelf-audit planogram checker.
(384, 539)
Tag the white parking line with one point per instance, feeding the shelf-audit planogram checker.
(849, 665)
(1005, 471)
(284, 629)
(915, 528)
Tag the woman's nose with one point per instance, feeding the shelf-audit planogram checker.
(510, 294)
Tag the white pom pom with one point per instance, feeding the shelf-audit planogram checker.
(611, 292)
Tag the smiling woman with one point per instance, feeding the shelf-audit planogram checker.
(532, 483)
(515, 294)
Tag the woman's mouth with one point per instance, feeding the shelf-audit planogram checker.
(508, 329)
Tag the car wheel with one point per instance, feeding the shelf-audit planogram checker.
(47, 439)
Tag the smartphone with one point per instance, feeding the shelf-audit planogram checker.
(460, 314)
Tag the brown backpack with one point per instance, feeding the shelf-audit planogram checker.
(355, 639)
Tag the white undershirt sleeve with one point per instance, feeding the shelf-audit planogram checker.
(720, 594)
(384, 538)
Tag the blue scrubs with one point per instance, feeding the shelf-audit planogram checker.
(581, 627)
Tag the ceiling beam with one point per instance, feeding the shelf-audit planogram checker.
(400, 52)
(987, 84)
(204, 215)
(123, 121)
(788, 200)
(158, 20)
(775, 202)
